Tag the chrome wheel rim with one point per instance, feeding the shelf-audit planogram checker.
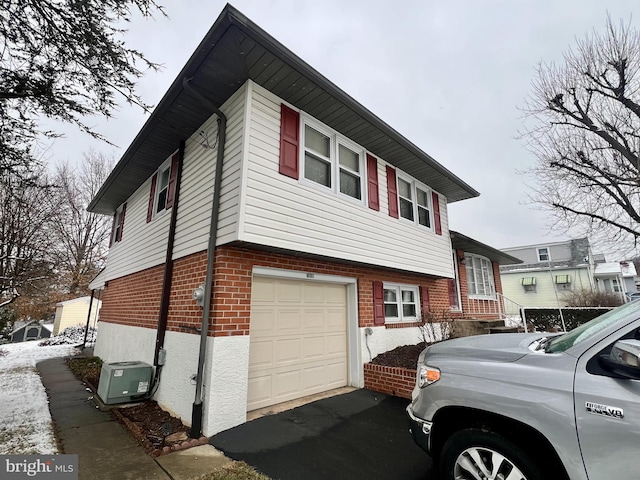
(479, 463)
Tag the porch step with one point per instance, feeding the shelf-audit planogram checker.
(503, 329)
(473, 326)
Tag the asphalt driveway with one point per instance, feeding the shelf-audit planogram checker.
(361, 435)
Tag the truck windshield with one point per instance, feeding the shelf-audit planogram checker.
(587, 330)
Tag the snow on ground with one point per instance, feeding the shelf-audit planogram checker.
(25, 421)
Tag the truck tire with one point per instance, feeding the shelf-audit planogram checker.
(470, 451)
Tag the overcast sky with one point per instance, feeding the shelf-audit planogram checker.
(449, 76)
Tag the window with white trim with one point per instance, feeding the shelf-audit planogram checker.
(118, 224)
(401, 303)
(615, 283)
(332, 161)
(543, 254)
(480, 277)
(414, 201)
(162, 188)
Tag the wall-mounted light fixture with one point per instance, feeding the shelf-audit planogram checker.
(462, 259)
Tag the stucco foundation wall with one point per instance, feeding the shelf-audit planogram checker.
(384, 339)
(124, 343)
(226, 383)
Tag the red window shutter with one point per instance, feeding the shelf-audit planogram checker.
(289, 141)
(124, 210)
(113, 229)
(372, 182)
(378, 303)
(152, 197)
(392, 192)
(425, 303)
(173, 174)
(436, 212)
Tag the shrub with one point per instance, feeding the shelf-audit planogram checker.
(590, 298)
(548, 319)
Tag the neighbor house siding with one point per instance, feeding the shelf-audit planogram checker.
(283, 212)
(544, 295)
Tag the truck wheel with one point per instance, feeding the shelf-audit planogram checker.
(477, 454)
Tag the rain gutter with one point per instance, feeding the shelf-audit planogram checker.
(196, 412)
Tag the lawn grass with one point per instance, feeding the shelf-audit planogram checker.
(235, 471)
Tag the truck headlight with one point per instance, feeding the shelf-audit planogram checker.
(427, 375)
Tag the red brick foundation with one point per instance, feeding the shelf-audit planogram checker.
(135, 299)
(390, 380)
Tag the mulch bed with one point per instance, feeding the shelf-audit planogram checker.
(404, 357)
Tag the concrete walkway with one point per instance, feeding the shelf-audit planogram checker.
(106, 451)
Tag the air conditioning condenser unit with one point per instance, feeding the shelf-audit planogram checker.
(123, 382)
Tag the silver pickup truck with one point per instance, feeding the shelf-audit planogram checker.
(534, 406)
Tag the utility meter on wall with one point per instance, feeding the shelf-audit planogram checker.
(198, 295)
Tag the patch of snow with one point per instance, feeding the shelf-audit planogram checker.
(25, 420)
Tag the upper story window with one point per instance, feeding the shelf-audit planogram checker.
(332, 161)
(543, 254)
(400, 303)
(118, 224)
(414, 202)
(163, 186)
(480, 277)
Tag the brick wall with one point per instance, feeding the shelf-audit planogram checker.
(135, 299)
(390, 380)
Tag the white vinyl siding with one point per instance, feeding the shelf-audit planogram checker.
(286, 213)
(144, 244)
(198, 176)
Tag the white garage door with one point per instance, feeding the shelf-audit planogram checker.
(298, 340)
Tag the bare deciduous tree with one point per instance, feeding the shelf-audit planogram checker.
(26, 240)
(81, 237)
(586, 136)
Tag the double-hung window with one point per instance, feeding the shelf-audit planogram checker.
(400, 303)
(162, 189)
(414, 202)
(332, 161)
(543, 254)
(479, 277)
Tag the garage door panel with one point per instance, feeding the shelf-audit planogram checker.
(262, 322)
(336, 294)
(313, 293)
(314, 320)
(288, 321)
(304, 325)
(335, 345)
(260, 389)
(289, 292)
(261, 354)
(313, 348)
(287, 350)
(287, 383)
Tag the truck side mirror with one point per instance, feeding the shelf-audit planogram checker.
(624, 359)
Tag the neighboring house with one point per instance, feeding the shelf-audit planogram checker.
(75, 312)
(30, 330)
(608, 278)
(630, 278)
(550, 270)
(330, 235)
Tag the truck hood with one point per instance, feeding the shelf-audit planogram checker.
(503, 347)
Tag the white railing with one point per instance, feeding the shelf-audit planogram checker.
(499, 306)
